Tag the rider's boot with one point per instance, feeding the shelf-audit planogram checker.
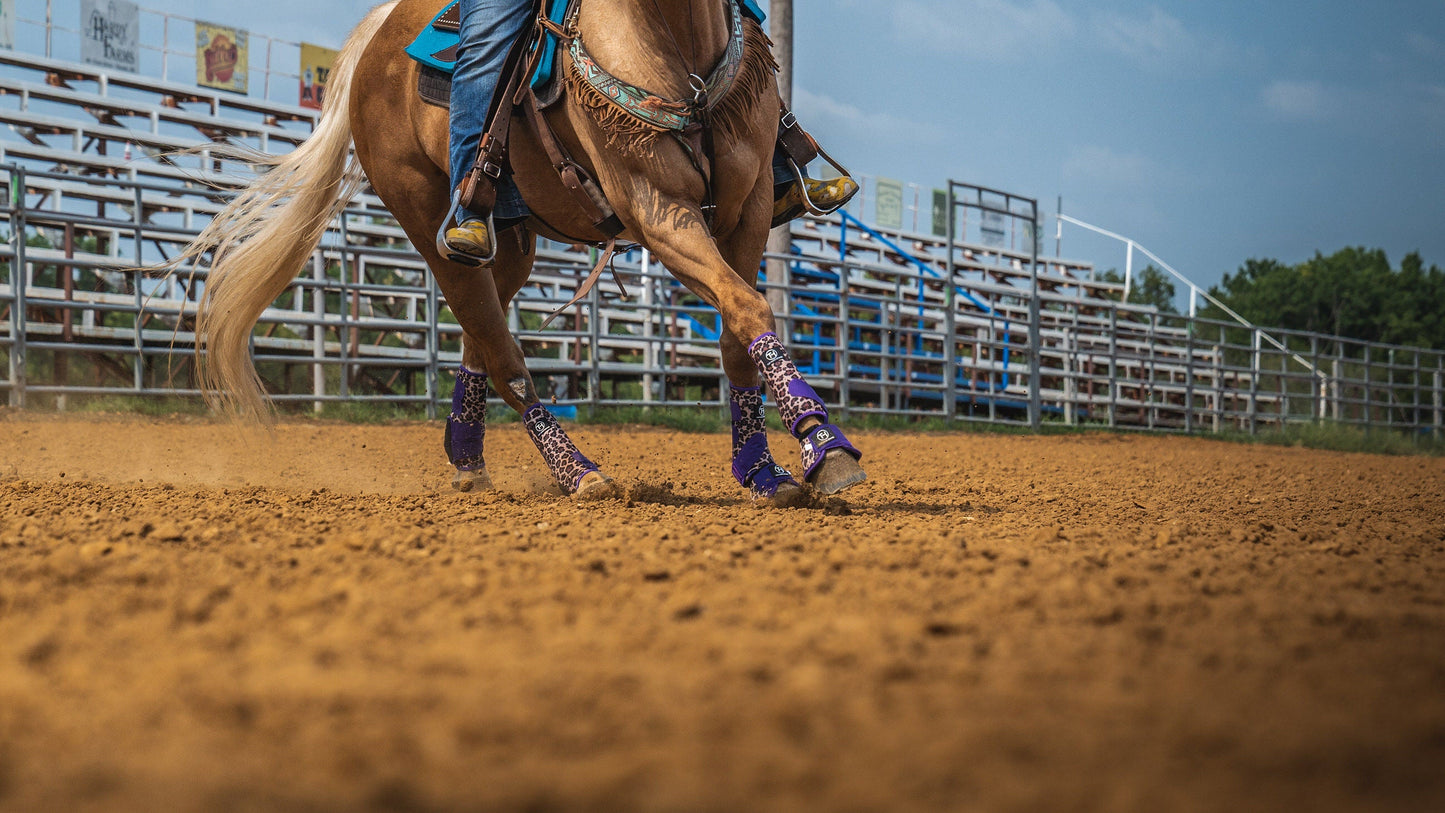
(825, 195)
(472, 237)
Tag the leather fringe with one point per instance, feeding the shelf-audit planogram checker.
(733, 117)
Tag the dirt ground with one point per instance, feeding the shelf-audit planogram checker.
(198, 618)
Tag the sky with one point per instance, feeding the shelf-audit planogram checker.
(1208, 132)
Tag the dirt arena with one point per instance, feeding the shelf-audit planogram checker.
(195, 618)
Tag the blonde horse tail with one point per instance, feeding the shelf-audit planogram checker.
(259, 242)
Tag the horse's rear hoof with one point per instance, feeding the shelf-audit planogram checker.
(837, 471)
(788, 495)
(597, 486)
(477, 480)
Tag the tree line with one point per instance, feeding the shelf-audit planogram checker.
(1354, 292)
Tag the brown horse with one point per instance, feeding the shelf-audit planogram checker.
(262, 239)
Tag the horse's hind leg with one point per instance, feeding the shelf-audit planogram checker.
(467, 424)
(479, 298)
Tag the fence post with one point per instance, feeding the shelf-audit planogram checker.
(19, 363)
(1439, 411)
(594, 334)
(433, 346)
(1254, 366)
(318, 329)
(1317, 392)
(1189, 378)
(1113, 367)
(950, 347)
(1369, 389)
(1218, 413)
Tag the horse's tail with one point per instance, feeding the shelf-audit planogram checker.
(262, 238)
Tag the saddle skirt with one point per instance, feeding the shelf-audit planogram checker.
(435, 47)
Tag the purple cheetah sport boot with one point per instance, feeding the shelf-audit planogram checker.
(567, 463)
(466, 429)
(753, 463)
(798, 401)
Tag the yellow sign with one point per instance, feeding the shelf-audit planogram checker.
(316, 63)
(221, 57)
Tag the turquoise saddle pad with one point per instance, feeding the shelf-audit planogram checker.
(437, 49)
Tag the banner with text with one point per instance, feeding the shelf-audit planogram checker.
(221, 57)
(940, 213)
(316, 63)
(110, 34)
(7, 23)
(888, 203)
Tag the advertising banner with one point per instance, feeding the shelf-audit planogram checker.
(888, 198)
(221, 57)
(940, 213)
(7, 23)
(316, 65)
(110, 34)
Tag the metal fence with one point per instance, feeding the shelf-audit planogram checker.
(877, 328)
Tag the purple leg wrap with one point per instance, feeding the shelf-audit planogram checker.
(467, 425)
(753, 464)
(796, 399)
(566, 462)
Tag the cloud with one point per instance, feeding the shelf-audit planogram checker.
(1424, 46)
(824, 114)
(1155, 39)
(987, 30)
(1300, 100)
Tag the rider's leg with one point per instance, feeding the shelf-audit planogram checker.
(489, 28)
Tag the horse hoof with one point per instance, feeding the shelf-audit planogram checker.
(837, 471)
(788, 495)
(596, 486)
(466, 481)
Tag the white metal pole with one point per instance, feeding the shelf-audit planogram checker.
(1128, 270)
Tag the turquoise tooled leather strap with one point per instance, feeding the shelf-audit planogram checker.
(647, 106)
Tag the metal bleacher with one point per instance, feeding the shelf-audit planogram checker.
(886, 321)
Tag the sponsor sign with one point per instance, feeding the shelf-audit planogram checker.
(222, 57)
(7, 23)
(316, 63)
(110, 34)
(888, 200)
(940, 213)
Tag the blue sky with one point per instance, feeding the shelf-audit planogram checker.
(1210, 132)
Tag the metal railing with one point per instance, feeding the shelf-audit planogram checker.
(365, 322)
(167, 46)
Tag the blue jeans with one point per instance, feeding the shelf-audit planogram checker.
(489, 29)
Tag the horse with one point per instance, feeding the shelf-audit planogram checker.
(262, 238)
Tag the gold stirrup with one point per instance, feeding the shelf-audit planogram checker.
(810, 196)
(471, 242)
(472, 237)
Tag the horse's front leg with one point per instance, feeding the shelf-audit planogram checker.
(675, 231)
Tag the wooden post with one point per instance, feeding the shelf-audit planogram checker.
(780, 240)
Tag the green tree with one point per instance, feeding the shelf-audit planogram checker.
(1151, 287)
(1353, 292)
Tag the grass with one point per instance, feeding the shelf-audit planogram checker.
(1342, 438)
(713, 419)
(152, 406)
